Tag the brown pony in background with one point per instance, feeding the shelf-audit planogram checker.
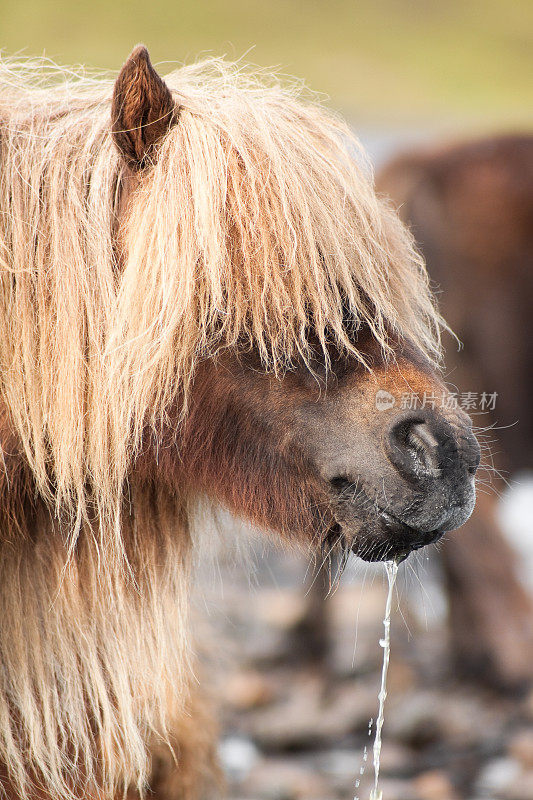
(201, 296)
(470, 208)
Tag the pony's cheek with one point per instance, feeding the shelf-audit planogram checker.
(281, 499)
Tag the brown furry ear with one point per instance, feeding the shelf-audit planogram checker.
(142, 110)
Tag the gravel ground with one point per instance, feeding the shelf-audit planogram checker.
(297, 714)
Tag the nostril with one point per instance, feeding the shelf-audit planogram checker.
(341, 484)
(423, 447)
(413, 448)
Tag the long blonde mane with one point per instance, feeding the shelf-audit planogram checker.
(256, 223)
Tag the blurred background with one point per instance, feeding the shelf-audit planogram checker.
(296, 667)
(381, 62)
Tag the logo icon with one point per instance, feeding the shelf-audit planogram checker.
(384, 400)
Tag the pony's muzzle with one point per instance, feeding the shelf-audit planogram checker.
(424, 446)
(438, 458)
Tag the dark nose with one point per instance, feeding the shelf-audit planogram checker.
(424, 446)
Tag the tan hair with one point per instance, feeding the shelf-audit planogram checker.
(255, 223)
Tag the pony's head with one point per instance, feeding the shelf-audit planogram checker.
(305, 315)
(200, 294)
(204, 290)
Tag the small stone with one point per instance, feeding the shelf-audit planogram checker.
(245, 690)
(306, 718)
(395, 758)
(521, 788)
(434, 785)
(238, 756)
(415, 719)
(497, 776)
(277, 779)
(521, 748)
(422, 717)
(394, 789)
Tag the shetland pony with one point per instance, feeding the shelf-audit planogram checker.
(201, 297)
(470, 207)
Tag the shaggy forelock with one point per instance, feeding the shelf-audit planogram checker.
(258, 222)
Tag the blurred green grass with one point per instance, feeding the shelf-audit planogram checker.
(392, 62)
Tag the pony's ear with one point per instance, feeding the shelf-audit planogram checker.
(142, 110)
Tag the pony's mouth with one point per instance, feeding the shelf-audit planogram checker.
(379, 535)
(385, 538)
(403, 538)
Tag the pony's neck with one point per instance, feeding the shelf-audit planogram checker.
(94, 654)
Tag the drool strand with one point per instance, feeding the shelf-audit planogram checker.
(392, 571)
